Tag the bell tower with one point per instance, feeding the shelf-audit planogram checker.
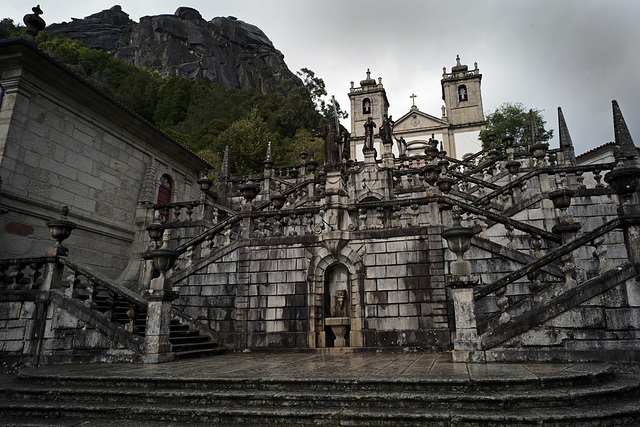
(368, 100)
(463, 106)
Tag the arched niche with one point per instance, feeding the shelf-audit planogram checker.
(336, 300)
(327, 274)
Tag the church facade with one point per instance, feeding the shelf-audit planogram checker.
(457, 127)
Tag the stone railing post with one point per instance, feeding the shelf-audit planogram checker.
(159, 297)
(460, 282)
(466, 341)
(61, 229)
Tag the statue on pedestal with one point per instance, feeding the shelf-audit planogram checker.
(402, 147)
(386, 130)
(368, 135)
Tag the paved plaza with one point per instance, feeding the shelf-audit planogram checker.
(410, 366)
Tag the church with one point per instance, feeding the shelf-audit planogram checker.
(525, 252)
(458, 127)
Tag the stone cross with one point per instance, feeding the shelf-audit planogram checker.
(413, 98)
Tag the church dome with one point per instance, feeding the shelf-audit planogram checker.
(368, 81)
(458, 67)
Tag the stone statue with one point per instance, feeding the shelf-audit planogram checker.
(339, 308)
(368, 134)
(332, 154)
(386, 130)
(402, 147)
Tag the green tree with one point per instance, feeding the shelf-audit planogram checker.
(135, 87)
(515, 120)
(174, 97)
(248, 139)
(9, 29)
(288, 152)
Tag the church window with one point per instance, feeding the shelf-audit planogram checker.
(462, 93)
(366, 106)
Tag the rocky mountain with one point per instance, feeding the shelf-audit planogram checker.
(228, 51)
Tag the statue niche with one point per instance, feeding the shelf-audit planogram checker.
(337, 306)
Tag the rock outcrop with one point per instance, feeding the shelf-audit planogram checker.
(228, 51)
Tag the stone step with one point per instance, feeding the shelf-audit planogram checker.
(188, 339)
(192, 354)
(187, 346)
(621, 387)
(613, 413)
(307, 389)
(601, 375)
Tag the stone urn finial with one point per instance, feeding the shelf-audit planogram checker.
(61, 229)
(204, 182)
(34, 23)
(249, 189)
(164, 258)
(459, 240)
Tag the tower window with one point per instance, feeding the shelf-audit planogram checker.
(462, 93)
(366, 106)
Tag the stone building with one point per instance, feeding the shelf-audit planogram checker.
(458, 127)
(358, 255)
(66, 143)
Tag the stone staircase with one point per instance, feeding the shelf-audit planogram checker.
(593, 397)
(185, 341)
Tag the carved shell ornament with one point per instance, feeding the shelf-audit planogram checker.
(415, 121)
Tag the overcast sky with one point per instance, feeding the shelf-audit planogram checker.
(545, 54)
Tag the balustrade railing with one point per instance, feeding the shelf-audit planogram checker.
(544, 287)
(77, 283)
(22, 274)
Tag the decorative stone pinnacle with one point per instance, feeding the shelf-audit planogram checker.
(565, 138)
(622, 136)
(34, 23)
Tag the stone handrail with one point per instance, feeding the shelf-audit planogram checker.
(551, 256)
(99, 279)
(529, 229)
(209, 233)
(111, 329)
(536, 172)
(17, 280)
(558, 305)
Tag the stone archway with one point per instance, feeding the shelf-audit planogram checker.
(327, 274)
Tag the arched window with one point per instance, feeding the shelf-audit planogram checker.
(366, 106)
(462, 93)
(164, 192)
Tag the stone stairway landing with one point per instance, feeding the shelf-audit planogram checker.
(376, 389)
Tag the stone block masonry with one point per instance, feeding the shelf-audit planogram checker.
(67, 144)
(278, 295)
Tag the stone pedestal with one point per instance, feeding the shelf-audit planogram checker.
(339, 326)
(629, 214)
(466, 340)
(157, 330)
(370, 155)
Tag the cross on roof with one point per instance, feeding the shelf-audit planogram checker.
(413, 98)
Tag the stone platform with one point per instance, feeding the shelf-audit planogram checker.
(322, 388)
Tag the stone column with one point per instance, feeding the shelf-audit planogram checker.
(159, 298)
(466, 342)
(629, 213)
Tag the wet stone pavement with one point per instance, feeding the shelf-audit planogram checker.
(347, 366)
